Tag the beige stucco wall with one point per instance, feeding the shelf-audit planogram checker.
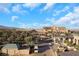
(9, 51)
(24, 52)
(16, 52)
(76, 39)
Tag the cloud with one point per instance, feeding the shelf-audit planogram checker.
(4, 8)
(71, 19)
(65, 19)
(31, 5)
(47, 6)
(72, 16)
(51, 20)
(75, 22)
(58, 12)
(33, 25)
(39, 25)
(22, 25)
(14, 18)
(18, 9)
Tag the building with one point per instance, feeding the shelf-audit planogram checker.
(63, 30)
(55, 29)
(76, 39)
(14, 50)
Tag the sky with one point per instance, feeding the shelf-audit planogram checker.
(38, 15)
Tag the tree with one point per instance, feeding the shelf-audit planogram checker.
(11, 39)
(29, 40)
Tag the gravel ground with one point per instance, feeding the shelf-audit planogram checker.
(69, 53)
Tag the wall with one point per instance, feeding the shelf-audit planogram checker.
(16, 52)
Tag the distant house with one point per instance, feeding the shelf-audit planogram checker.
(14, 49)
